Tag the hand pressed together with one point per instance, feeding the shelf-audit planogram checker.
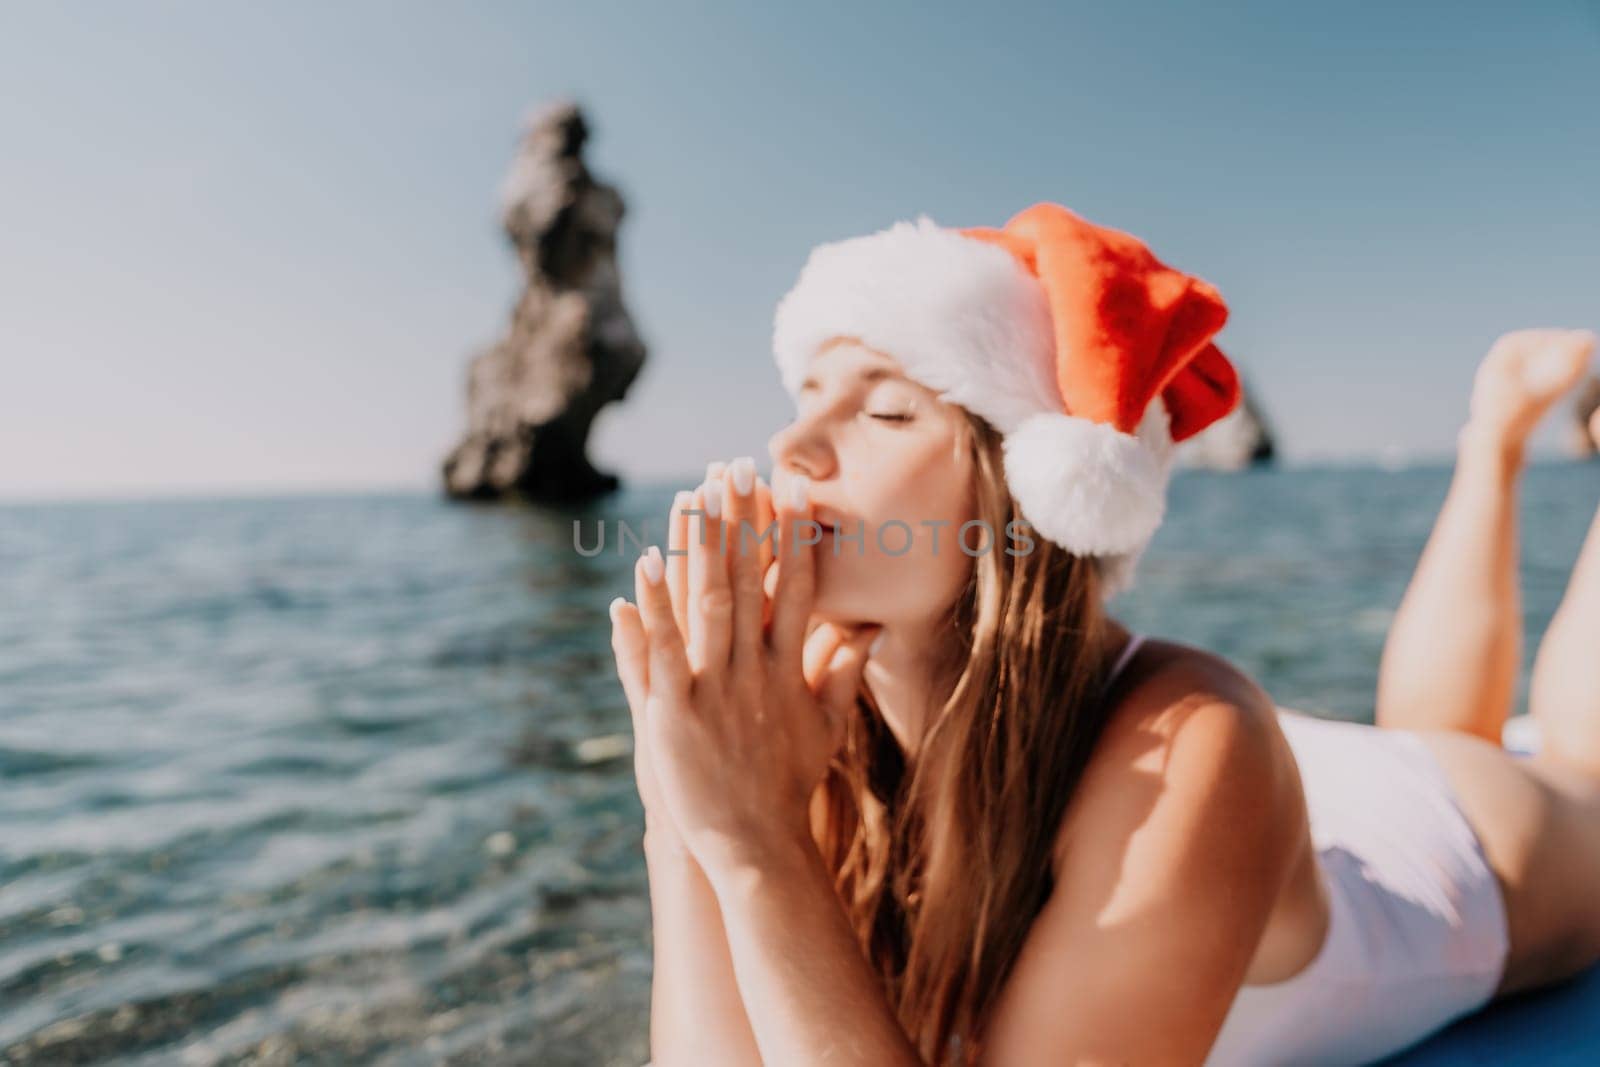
(738, 696)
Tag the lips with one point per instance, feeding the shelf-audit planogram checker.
(828, 522)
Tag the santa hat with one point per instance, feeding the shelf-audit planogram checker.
(1090, 356)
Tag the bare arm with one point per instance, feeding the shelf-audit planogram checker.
(696, 1014)
(811, 995)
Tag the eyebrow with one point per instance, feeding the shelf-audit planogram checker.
(865, 374)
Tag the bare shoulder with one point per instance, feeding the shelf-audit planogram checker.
(1186, 722)
(1174, 691)
(1172, 676)
(1174, 846)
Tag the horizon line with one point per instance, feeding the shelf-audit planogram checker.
(282, 490)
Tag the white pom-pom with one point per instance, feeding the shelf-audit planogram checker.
(1086, 485)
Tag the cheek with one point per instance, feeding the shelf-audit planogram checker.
(916, 501)
(931, 485)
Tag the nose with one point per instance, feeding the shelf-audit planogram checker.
(801, 447)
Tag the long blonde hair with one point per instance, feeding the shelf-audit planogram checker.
(943, 864)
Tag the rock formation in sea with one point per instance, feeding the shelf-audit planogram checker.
(1242, 438)
(570, 348)
(1581, 436)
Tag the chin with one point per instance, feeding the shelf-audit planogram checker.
(845, 608)
(854, 590)
(830, 605)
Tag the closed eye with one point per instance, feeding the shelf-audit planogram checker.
(889, 417)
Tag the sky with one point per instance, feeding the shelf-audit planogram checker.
(250, 247)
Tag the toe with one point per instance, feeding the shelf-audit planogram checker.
(1523, 375)
(1556, 362)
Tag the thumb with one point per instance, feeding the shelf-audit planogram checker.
(843, 678)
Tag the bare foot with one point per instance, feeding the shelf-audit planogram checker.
(1525, 372)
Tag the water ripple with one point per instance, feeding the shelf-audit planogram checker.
(349, 779)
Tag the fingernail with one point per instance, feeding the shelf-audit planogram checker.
(799, 492)
(744, 475)
(653, 567)
(714, 470)
(616, 606)
(713, 490)
(877, 644)
(682, 500)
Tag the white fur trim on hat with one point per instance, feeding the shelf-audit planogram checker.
(962, 316)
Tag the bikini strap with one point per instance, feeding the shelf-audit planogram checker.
(1122, 660)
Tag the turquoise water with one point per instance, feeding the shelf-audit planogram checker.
(346, 779)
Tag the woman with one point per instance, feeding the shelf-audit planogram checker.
(909, 801)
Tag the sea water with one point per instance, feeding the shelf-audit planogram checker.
(347, 779)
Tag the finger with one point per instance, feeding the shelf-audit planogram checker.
(843, 681)
(822, 643)
(745, 553)
(678, 558)
(632, 652)
(792, 598)
(705, 528)
(710, 598)
(668, 659)
(766, 515)
(1585, 340)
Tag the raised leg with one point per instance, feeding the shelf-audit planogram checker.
(1452, 655)
(1451, 658)
(1564, 694)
